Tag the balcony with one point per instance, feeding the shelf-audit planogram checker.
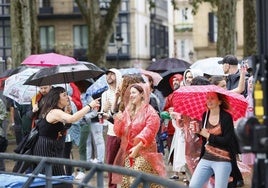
(46, 10)
(183, 27)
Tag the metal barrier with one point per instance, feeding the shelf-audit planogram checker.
(45, 163)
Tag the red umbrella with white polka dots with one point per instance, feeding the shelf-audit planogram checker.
(191, 101)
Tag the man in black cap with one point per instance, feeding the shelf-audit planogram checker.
(230, 67)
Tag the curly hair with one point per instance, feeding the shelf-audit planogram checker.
(128, 80)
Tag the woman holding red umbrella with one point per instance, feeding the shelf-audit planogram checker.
(219, 146)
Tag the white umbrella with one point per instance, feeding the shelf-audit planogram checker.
(209, 66)
(15, 89)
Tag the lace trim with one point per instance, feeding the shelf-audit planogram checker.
(218, 152)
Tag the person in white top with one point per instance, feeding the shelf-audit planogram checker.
(113, 78)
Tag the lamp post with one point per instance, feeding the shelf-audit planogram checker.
(191, 56)
(119, 43)
(104, 6)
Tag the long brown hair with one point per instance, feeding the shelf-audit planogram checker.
(127, 81)
(224, 101)
(133, 106)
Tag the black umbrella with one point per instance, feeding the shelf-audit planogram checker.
(166, 64)
(164, 85)
(12, 71)
(64, 74)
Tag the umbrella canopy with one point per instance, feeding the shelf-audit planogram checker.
(156, 76)
(191, 101)
(209, 66)
(164, 85)
(12, 71)
(166, 64)
(64, 74)
(101, 85)
(14, 88)
(48, 60)
(4, 75)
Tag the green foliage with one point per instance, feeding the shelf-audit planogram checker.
(196, 3)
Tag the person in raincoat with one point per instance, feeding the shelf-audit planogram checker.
(137, 127)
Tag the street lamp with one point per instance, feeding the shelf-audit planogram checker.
(191, 56)
(119, 43)
(104, 6)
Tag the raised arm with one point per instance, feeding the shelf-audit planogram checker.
(242, 82)
(57, 115)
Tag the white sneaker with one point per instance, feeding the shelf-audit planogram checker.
(94, 160)
(80, 175)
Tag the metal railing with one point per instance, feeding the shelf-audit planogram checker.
(96, 172)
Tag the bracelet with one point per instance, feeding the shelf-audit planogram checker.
(89, 106)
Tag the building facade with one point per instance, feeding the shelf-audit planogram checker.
(144, 31)
(195, 36)
(148, 32)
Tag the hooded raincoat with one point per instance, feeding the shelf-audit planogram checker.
(143, 127)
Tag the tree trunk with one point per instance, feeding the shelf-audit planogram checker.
(35, 46)
(226, 43)
(100, 28)
(250, 28)
(21, 29)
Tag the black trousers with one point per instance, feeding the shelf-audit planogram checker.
(67, 154)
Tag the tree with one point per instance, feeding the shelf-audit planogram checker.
(100, 27)
(226, 42)
(250, 28)
(24, 30)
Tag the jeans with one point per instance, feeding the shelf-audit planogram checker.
(95, 142)
(205, 169)
(85, 129)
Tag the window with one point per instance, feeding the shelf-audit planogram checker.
(47, 38)
(80, 37)
(80, 42)
(121, 29)
(213, 27)
(5, 7)
(44, 3)
(5, 38)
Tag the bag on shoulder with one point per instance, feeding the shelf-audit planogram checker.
(28, 142)
(3, 144)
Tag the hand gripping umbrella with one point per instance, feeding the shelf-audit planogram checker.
(191, 101)
(64, 74)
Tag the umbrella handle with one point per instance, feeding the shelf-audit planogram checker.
(205, 122)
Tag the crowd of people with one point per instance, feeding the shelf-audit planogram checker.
(130, 113)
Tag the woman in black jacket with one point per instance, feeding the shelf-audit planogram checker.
(219, 148)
